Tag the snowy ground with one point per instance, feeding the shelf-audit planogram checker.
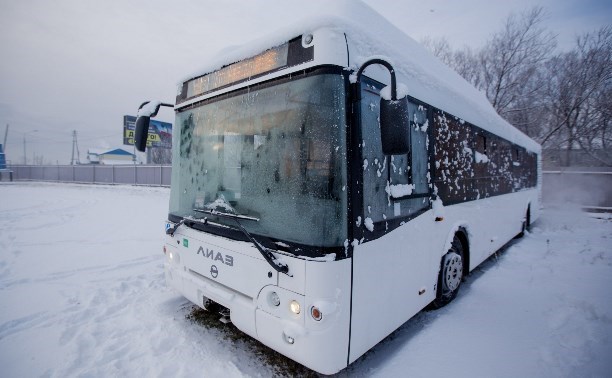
(82, 293)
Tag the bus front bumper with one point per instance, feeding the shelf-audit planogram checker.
(321, 346)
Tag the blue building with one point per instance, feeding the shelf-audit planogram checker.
(112, 156)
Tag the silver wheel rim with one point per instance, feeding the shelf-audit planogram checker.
(453, 271)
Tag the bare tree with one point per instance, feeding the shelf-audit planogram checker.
(440, 48)
(512, 63)
(160, 155)
(562, 101)
(579, 88)
(464, 61)
(509, 68)
(467, 63)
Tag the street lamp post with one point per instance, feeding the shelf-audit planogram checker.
(25, 159)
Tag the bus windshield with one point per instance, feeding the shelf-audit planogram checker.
(276, 153)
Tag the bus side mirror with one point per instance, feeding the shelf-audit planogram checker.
(394, 119)
(394, 126)
(146, 110)
(142, 133)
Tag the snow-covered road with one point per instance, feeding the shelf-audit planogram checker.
(82, 293)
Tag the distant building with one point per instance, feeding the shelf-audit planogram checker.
(5, 174)
(113, 156)
(2, 158)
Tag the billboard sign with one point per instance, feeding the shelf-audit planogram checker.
(160, 133)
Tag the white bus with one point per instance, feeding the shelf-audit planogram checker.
(317, 209)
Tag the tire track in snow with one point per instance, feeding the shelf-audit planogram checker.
(59, 276)
(126, 321)
(27, 322)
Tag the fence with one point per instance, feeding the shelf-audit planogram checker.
(588, 187)
(154, 175)
(592, 187)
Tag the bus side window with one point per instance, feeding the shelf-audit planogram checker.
(412, 168)
(375, 164)
(419, 125)
(481, 144)
(394, 185)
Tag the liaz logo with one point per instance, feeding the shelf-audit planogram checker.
(216, 256)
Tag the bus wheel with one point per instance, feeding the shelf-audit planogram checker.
(451, 274)
(526, 223)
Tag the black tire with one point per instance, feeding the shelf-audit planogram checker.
(528, 220)
(526, 223)
(451, 274)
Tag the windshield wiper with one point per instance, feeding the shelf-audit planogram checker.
(227, 215)
(186, 220)
(265, 252)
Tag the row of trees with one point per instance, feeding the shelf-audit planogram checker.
(560, 99)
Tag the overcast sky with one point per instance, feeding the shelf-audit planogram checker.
(82, 65)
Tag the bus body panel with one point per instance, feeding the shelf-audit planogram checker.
(390, 272)
(238, 265)
(245, 288)
(322, 345)
(190, 271)
(494, 221)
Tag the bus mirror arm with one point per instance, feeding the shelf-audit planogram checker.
(142, 125)
(171, 230)
(394, 116)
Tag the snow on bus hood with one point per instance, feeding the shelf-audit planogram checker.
(370, 34)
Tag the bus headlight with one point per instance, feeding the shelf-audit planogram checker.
(295, 307)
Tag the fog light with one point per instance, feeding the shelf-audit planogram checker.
(174, 257)
(295, 307)
(274, 299)
(316, 313)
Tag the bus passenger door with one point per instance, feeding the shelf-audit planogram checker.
(391, 256)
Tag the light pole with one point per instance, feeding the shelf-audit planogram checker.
(25, 160)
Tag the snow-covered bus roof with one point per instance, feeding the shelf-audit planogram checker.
(369, 34)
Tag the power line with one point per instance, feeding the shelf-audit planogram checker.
(102, 136)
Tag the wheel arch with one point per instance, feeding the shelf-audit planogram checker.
(462, 234)
(527, 220)
(528, 215)
(462, 230)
